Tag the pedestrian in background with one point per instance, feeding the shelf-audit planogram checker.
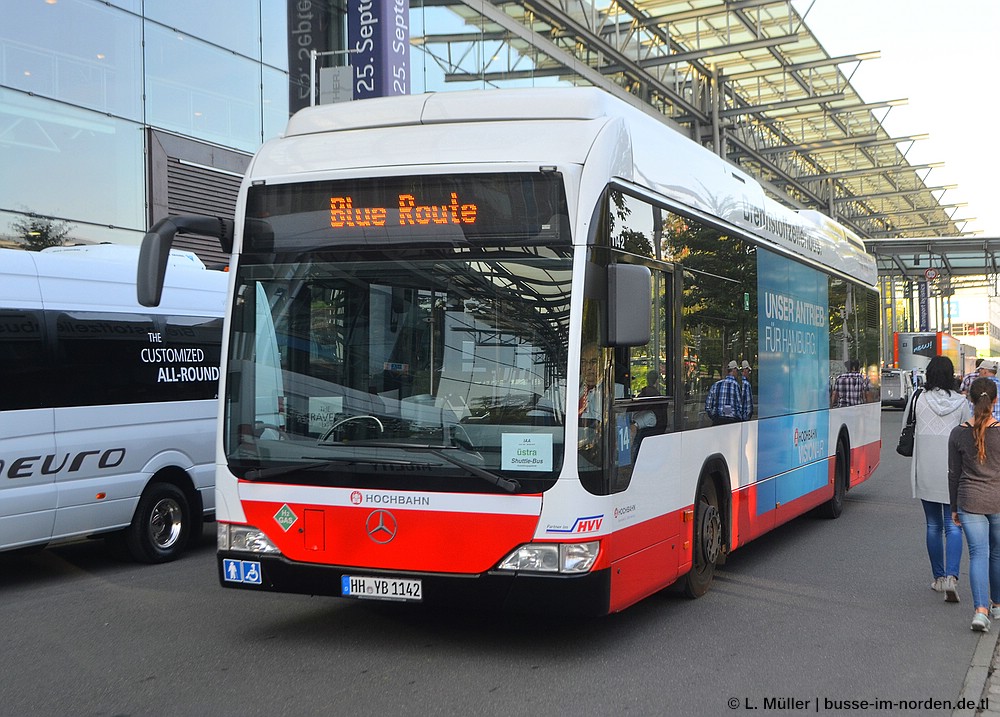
(852, 387)
(988, 368)
(970, 377)
(938, 408)
(747, 391)
(724, 403)
(974, 489)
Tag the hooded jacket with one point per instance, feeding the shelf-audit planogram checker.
(938, 412)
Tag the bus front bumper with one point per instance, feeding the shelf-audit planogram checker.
(587, 594)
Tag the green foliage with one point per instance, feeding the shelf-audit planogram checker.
(37, 233)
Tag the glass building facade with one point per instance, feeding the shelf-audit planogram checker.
(114, 114)
(85, 84)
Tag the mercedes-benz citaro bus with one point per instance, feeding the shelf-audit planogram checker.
(472, 344)
(107, 408)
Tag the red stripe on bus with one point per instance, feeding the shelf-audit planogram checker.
(864, 461)
(647, 557)
(426, 541)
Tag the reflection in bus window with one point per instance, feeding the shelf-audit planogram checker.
(719, 314)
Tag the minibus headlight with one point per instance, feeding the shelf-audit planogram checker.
(553, 557)
(244, 538)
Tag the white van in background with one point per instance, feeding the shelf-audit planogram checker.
(897, 386)
(107, 408)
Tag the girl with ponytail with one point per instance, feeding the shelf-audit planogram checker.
(974, 488)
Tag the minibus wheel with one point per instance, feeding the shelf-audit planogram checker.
(160, 526)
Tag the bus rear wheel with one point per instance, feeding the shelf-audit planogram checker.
(708, 539)
(835, 506)
(161, 525)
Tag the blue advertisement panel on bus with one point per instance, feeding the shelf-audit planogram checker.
(794, 366)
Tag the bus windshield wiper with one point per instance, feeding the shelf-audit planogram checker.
(255, 474)
(438, 452)
(499, 481)
(435, 450)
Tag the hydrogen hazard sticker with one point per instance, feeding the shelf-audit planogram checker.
(285, 517)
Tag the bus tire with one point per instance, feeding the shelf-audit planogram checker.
(161, 525)
(708, 536)
(841, 467)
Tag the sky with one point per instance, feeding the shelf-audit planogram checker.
(943, 57)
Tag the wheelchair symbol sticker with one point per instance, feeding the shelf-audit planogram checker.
(241, 571)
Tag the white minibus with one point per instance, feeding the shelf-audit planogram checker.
(107, 408)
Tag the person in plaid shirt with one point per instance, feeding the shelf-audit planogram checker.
(988, 369)
(970, 377)
(747, 395)
(724, 403)
(852, 387)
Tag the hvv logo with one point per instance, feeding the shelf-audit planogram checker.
(589, 524)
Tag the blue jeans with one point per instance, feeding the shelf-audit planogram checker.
(982, 533)
(944, 539)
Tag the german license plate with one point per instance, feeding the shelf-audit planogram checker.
(373, 588)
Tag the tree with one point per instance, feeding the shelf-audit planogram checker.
(37, 233)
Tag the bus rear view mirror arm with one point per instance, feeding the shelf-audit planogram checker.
(156, 245)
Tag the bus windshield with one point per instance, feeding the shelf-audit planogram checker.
(418, 369)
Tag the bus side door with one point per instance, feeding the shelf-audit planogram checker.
(106, 424)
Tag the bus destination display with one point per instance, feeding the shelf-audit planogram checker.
(518, 208)
(407, 212)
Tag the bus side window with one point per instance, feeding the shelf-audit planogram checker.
(101, 358)
(22, 360)
(643, 408)
(649, 369)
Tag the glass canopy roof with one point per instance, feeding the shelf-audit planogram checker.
(744, 77)
(934, 258)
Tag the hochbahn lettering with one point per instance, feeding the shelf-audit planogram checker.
(382, 499)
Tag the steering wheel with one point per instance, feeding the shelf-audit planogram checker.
(342, 421)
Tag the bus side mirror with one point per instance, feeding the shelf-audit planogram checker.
(155, 250)
(629, 305)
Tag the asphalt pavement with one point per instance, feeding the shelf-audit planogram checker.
(822, 615)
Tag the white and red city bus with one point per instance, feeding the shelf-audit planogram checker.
(470, 341)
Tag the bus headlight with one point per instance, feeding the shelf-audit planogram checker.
(244, 538)
(578, 557)
(553, 557)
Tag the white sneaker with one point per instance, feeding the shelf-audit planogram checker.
(994, 612)
(950, 586)
(937, 586)
(980, 623)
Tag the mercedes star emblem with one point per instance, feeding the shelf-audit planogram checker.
(381, 526)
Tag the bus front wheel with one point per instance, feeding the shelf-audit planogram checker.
(160, 526)
(708, 538)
